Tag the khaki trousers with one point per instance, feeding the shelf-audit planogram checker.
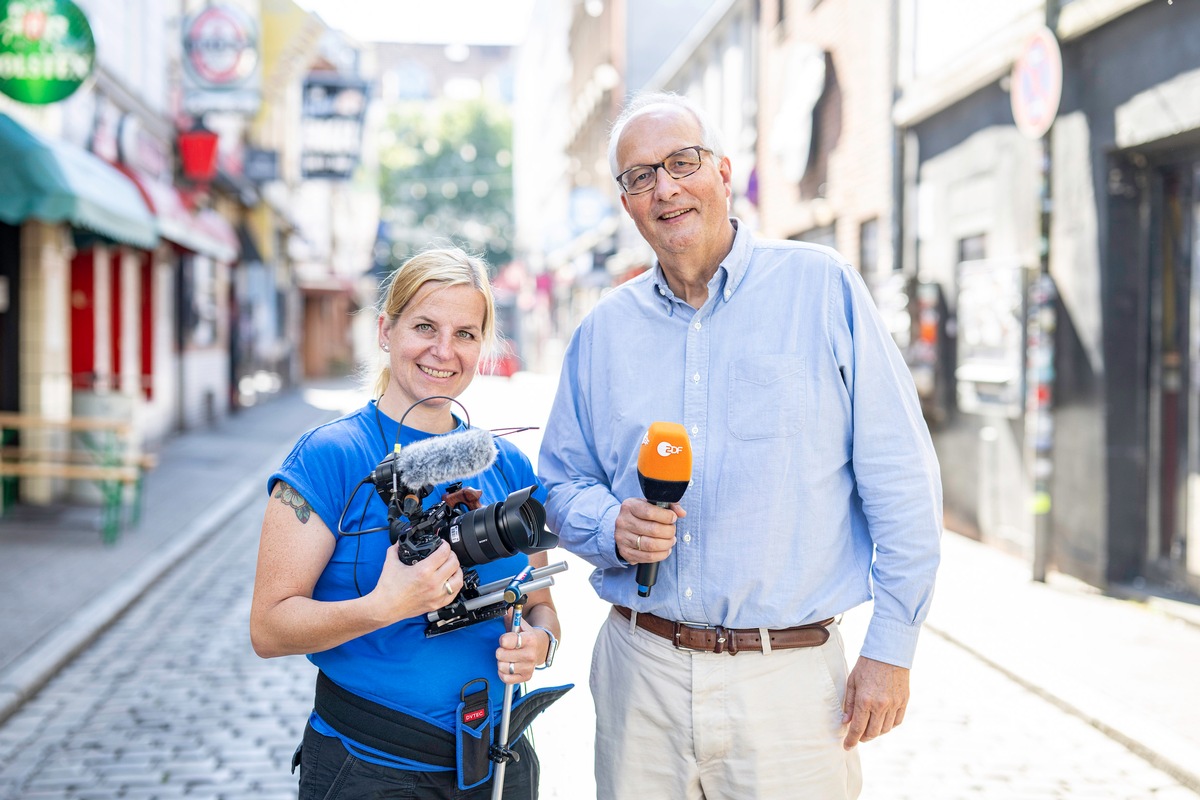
(680, 725)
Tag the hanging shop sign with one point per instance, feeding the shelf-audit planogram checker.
(331, 125)
(260, 166)
(47, 50)
(222, 69)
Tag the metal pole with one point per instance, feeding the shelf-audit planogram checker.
(1040, 367)
(1039, 419)
(498, 779)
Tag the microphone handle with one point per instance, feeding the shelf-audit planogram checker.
(647, 574)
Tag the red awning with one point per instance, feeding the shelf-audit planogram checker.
(206, 233)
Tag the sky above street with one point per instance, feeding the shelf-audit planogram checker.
(438, 21)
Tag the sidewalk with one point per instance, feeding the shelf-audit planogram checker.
(61, 586)
(1127, 668)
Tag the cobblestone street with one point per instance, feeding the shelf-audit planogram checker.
(172, 702)
(971, 732)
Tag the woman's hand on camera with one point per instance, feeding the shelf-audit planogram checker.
(407, 590)
(467, 496)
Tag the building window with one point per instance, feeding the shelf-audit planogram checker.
(972, 248)
(868, 246)
(824, 235)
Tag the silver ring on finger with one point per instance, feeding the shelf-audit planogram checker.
(512, 668)
(446, 586)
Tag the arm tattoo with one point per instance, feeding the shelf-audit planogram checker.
(291, 497)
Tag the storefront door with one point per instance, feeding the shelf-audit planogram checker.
(10, 266)
(1173, 544)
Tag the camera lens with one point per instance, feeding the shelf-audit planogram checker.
(501, 530)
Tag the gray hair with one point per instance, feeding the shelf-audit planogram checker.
(644, 102)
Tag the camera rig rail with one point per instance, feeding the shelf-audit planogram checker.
(478, 603)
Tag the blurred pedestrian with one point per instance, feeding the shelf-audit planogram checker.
(815, 488)
(355, 609)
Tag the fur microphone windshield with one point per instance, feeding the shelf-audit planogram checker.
(446, 458)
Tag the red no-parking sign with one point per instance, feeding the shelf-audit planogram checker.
(1036, 85)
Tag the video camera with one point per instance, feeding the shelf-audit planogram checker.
(477, 536)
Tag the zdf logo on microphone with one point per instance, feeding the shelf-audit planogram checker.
(667, 449)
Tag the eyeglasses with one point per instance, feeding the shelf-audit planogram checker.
(644, 177)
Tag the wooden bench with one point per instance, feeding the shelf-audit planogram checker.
(100, 451)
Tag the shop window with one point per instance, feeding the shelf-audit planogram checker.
(198, 302)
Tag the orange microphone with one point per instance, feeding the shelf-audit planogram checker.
(664, 472)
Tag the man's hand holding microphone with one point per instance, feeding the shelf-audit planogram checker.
(645, 529)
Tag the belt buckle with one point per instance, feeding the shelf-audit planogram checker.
(722, 636)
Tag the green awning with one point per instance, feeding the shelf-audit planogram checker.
(58, 182)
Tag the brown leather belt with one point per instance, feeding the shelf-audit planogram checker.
(716, 639)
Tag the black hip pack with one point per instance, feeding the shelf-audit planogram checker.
(470, 749)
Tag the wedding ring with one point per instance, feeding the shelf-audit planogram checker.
(637, 545)
(446, 586)
(512, 669)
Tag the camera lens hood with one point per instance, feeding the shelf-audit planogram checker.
(499, 530)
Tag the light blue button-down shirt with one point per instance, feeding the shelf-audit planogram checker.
(814, 480)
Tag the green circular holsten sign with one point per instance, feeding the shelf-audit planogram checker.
(47, 50)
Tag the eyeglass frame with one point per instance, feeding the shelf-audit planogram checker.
(663, 165)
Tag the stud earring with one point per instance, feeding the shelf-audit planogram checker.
(386, 349)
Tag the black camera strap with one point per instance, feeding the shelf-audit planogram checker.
(405, 736)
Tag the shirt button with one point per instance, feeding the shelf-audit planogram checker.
(695, 430)
(696, 378)
(688, 593)
(698, 326)
(687, 537)
(727, 294)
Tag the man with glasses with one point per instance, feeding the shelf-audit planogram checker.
(814, 488)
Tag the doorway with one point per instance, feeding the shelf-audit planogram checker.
(10, 315)
(1173, 524)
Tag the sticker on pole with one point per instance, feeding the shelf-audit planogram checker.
(1036, 84)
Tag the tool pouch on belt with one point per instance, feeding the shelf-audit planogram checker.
(469, 750)
(474, 740)
(473, 735)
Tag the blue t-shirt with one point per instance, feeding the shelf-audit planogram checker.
(396, 666)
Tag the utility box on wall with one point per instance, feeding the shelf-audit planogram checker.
(989, 375)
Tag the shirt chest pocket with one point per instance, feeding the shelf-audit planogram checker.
(766, 397)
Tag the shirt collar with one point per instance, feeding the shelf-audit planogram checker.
(730, 271)
(738, 260)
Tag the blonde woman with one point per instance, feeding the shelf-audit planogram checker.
(354, 607)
